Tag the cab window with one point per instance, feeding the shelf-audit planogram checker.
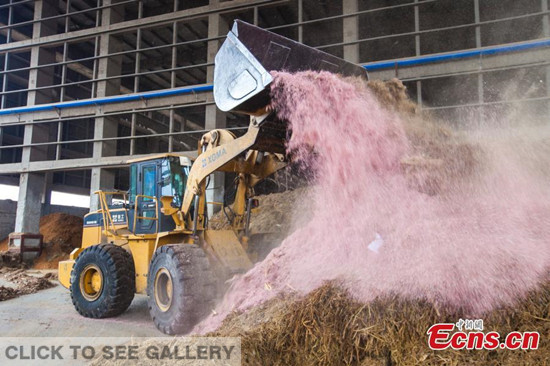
(165, 179)
(179, 181)
(172, 180)
(133, 183)
(149, 181)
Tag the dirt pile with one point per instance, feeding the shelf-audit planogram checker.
(439, 159)
(4, 245)
(28, 283)
(328, 327)
(62, 229)
(61, 234)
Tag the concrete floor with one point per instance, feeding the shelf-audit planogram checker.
(51, 313)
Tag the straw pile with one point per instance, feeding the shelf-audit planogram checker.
(440, 157)
(328, 327)
(23, 282)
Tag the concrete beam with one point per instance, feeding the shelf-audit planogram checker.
(188, 14)
(73, 164)
(75, 66)
(83, 191)
(32, 185)
(15, 34)
(179, 101)
(351, 30)
(106, 127)
(29, 203)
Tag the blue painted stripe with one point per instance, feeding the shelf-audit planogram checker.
(208, 87)
(456, 55)
(109, 100)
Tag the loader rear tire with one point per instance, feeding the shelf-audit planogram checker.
(103, 281)
(181, 287)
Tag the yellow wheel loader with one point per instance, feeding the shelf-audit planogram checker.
(155, 239)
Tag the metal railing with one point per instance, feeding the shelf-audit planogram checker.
(178, 74)
(202, 41)
(108, 222)
(137, 208)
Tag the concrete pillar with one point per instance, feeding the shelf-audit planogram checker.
(300, 20)
(173, 79)
(216, 27)
(214, 118)
(418, 52)
(29, 203)
(47, 195)
(545, 18)
(103, 179)
(351, 30)
(32, 185)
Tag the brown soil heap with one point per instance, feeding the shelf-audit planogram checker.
(62, 233)
(61, 228)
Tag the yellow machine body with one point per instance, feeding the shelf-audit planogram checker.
(150, 216)
(163, 222)
(117, 223)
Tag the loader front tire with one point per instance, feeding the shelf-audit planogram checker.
(180, 286)
(103, 281)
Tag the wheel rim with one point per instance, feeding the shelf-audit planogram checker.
(163, 289)
(91, 282)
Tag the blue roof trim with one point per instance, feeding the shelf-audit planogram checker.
(109, 100)
(208, 87)
(456, 55)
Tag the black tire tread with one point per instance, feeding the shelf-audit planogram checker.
(121, 266)
(196, 277)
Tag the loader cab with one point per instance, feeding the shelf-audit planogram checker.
(151, 179)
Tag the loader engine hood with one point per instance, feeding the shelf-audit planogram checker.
(248, 55)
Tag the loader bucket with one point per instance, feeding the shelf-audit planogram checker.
(244, 61)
